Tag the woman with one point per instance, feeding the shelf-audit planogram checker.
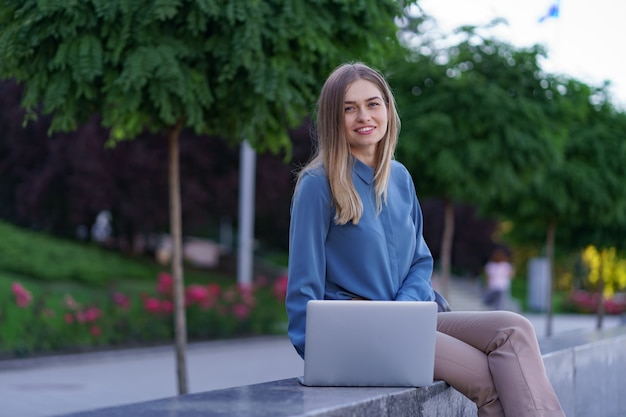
(356, 233)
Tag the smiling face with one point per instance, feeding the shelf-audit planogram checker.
(365, 119)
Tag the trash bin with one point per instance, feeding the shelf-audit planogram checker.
(538, 284)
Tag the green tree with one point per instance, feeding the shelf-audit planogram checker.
(473, 130)
(581, 192)
(240, 69)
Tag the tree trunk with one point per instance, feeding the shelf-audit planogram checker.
(600, 317)
(180, 324)
(446, 246)
(550, 257)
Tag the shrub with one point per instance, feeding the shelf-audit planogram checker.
(42, 322)
(581, 301)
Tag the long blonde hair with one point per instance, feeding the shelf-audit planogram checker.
(333, 151)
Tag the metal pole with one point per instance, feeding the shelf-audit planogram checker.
(247, 160)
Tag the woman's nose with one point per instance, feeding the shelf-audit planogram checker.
(363, 114)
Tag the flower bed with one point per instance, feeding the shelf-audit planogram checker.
(44, 322)
(587, 302)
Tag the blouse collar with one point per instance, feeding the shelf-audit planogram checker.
(364, 171)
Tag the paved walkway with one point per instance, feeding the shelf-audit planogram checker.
(43, 387)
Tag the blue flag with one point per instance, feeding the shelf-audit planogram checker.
(553, 12)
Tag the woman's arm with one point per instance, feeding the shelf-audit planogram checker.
(310, 221)
(417, 285)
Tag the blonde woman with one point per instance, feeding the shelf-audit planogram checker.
(356, 233)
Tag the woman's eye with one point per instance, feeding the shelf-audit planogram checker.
(348, 108)
(374, 104)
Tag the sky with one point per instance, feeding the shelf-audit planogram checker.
(587, 41)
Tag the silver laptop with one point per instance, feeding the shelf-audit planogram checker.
(370, 343)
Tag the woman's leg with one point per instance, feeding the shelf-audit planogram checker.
(466, 369)
(512, 353)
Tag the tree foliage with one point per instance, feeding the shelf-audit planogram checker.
(581, 191)
(235, 69)
(473, 128)
(484, 124)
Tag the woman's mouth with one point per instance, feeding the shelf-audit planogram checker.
(365, 130)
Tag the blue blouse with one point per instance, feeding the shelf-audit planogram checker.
(383, 257)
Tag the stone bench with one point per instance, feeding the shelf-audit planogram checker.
(588, 371)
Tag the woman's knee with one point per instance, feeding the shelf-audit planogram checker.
(509, 319)
(513, 326)
(520, 323)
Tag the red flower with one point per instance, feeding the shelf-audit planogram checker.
(241, 311)
(121, 300)
(80, 316)
(165, 284)
(214, 290)
(23, 297)
(280, 288)
(167, 306)
(152, 305)
(246, 294)
(69, 318)
(95, 331)
(92, 314)
(196, 294)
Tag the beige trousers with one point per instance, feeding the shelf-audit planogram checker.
(493, 358)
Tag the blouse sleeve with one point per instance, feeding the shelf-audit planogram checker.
(310, 221)
(417, 285)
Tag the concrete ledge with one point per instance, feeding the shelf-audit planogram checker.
(288, 398)
(586, 369)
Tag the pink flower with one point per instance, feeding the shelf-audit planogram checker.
(214, 290)
(92, 314)
(241, 311)
(165, 284)
(167, 306)
(121, 300)
(69, 318)
(152, 305)
(279, 289)
(23, 297)
(206, 297)
(246, 294)
(196, 294)
(80, 316)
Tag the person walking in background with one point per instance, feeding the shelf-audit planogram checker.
(356, 233)
(499, 272)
